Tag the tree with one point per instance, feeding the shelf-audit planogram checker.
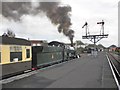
(9, 33)
(79, 42)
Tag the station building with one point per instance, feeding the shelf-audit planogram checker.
(15, 54)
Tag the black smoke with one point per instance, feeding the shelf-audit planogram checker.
(58, 15)
(14, 10)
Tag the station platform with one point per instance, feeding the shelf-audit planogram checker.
(84, 72)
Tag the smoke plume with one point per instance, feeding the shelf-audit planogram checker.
(58, 15)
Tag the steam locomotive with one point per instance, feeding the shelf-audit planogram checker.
(17, 55)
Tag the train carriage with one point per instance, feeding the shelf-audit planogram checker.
(15, 55)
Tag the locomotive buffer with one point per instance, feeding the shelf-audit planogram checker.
(94, 38)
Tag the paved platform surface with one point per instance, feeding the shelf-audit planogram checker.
(85, 72)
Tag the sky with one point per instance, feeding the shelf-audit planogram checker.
(39, 27)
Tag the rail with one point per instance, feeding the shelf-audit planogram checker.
(115, 73)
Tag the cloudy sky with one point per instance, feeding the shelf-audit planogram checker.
(39, 27)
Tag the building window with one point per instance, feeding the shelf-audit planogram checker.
(38, 44)
(33, 44)
(28, 53)
(15, 56)
(15, 53)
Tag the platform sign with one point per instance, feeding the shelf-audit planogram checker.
(15, 48)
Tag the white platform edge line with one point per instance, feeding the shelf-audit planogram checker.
(113, 73)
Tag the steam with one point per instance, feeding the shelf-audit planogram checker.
(58, 15)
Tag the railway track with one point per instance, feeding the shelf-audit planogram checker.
(115, 68)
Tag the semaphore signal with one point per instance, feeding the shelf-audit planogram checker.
(94, 38)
